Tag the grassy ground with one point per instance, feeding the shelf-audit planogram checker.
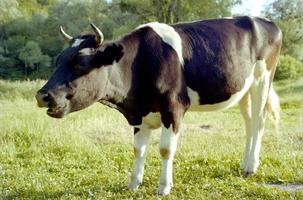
(88, 154)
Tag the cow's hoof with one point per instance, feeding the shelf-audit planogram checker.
(248, 174)
(133, 185)
(250, 168)
(163, 190)
(249, 171)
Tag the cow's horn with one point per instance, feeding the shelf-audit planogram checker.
(99, 34)
(68, 37)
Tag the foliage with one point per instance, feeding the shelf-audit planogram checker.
(289, 68)
(172, 11)
(289, 16)
(8, 14)
(29, 29)
(32, 57)
(30, 41)
(89, 154)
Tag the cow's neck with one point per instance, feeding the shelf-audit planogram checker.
(120, 80)
(114, 91)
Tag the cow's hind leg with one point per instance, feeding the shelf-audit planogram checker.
(258, 96)
(245, 106)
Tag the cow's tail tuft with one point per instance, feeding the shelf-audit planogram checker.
(273, 108)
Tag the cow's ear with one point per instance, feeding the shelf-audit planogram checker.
(111, 53)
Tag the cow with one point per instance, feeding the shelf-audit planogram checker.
(157, 72)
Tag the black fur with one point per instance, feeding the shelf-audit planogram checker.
(113, 52)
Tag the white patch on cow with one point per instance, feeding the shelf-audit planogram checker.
(77, 42)
(150, 121)
(234, 99)
(245, 107)
(273, 107)
(227, 17)
(194, 97)
(141, 140)
(168, 146)
(168, 35)
(259, 94)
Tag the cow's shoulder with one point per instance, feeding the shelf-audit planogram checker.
(167, 34)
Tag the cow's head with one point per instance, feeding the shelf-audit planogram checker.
(81, 75)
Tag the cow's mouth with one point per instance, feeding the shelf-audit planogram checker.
(57, 112)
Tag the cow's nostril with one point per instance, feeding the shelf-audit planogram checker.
(42, 98)
(46, 99)
(69, 96)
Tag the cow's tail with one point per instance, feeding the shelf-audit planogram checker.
(272, 107)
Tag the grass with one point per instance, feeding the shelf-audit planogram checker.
(89, 154)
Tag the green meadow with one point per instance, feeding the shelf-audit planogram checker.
(89, 154)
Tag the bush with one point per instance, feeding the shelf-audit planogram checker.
(288, 68)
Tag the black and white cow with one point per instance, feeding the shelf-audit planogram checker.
(156, 73)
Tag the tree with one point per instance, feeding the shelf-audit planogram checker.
(8, 10)
(289, 68)
(171, 11)
(289, 16)
(29, 29)
(32, 57)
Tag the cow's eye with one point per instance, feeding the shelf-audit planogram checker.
(80, 67)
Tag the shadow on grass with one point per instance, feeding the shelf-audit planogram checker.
(286, 187)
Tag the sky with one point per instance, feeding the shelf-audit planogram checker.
(251, 7)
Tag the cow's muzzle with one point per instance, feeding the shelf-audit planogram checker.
(55, 109)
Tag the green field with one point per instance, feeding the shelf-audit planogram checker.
(89, 154)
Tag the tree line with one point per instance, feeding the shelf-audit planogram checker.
(29, 30)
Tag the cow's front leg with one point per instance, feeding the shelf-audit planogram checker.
(168, 145)
(141, 140)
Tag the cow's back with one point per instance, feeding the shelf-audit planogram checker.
(219, 54)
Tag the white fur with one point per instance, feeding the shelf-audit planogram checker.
(168, 35)
(151, 121)
(245, 107)
(273, 107)
(77, 42)
(234, 99)
(256, 117)
(168, 141)
(274, 98)
(141, 140)
(194, 99)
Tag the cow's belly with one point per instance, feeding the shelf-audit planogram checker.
(234, 99)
